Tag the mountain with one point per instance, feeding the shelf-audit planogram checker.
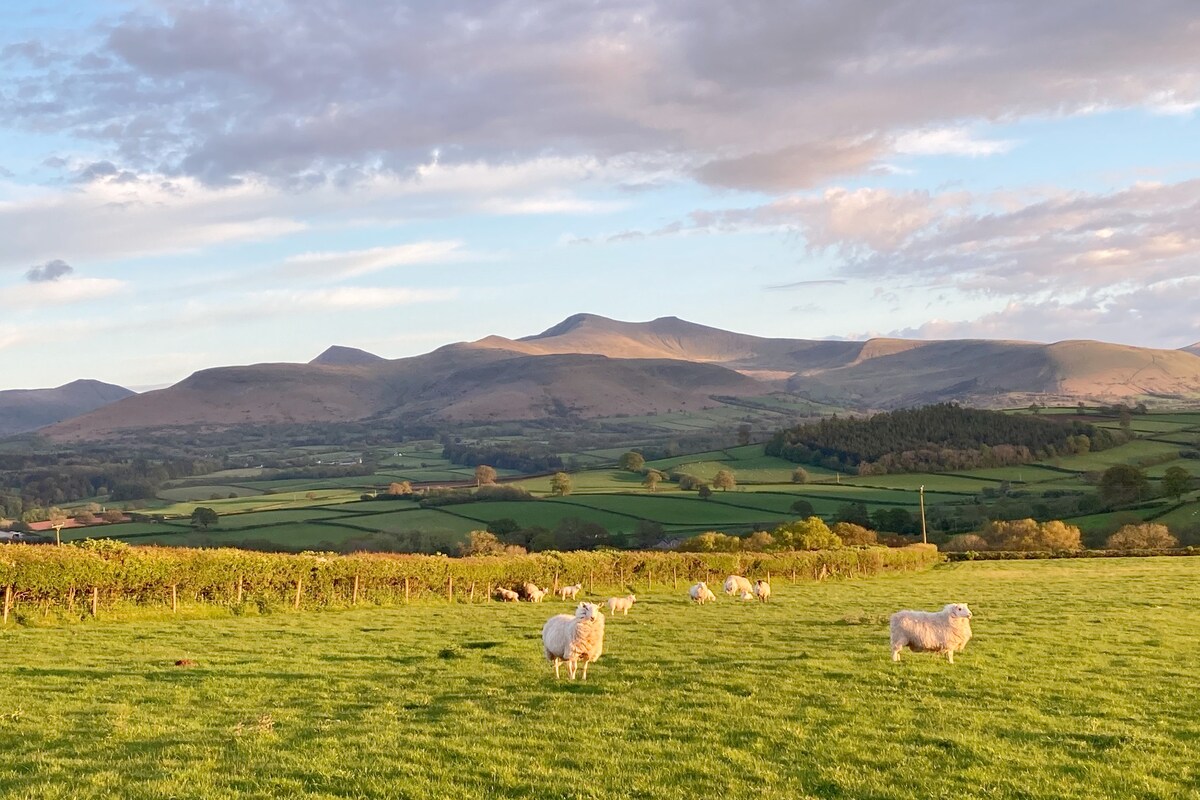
(338, 356)
(24, 410)
(1194, 349)
(589, 367)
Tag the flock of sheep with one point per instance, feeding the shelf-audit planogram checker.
(577, 638)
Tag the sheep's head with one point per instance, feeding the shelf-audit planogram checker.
(587, 611)
(958, 611)
(631, 598)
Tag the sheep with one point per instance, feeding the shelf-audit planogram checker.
(762, 590)
(946, 631)
(700, 593)
(508, 595)
(532, 593)
(736, 584)
(622, 604)
(574, 638)
(747, 596)
(569, 592)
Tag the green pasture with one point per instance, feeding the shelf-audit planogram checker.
(1128, 453)
(206, 492)
(1186, 516)
(1074, 687)
(678, 510)
(424, 520)
(544, 513)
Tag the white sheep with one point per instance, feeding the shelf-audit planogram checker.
(736, 584)
(508, 595)
(701, 594)
(747, 596)
(762, 590)
(574, 638)
(569, 592)
(532, 593)
(946, 631)
(622, 604)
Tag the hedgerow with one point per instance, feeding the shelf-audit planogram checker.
(108, 573)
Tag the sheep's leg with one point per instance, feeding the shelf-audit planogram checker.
(556, 663)
(950, 656)
(571, 667)
(896, 648)
(585, 670)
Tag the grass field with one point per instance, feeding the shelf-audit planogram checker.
(1075, 686)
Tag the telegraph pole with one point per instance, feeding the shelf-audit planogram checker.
(924, 538)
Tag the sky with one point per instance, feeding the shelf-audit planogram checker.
(186, 185)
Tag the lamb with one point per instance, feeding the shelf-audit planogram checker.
(622, 604)
(747, 596)
(574, 638)
(700, 593)
(508, 595)
(736, 584)
(946, 631)
(569, 592)
(532, 593)
(762, 590)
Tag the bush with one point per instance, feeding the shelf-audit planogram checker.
(1145, 536)
(1028, 534)
(965, 542)
(854, 535)
(806, 534)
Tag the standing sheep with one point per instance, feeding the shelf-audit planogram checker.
(762, 590)
(736, 584)
(532, 593)
(508, 595)
(700, 593)
(946, 631)
(622, 604)
(569, 592)
(574, 638)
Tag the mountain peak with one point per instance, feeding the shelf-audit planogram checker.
(339, 356)
(569, 324)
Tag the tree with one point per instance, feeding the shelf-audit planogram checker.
(724, 480)
(743, 433)
(1028, 534)
(758, 542)
(852, 534)
(964, 542)
(704, 492)
(1176, 482)
(204, 517)
(400, 487)
(484, 474)
(113, 515)
(799, 475)
(1122, 484)
(802, 509)
(1146, 536)
(632, 461)
(484, 543)
(560, 484)
(647, 534)
(652, 479)
(854, 513)
(806, 534)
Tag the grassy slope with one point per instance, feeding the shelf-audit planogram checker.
(1071, 689)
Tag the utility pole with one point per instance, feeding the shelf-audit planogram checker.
(924, 538)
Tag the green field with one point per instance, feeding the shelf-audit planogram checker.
(1075, 686)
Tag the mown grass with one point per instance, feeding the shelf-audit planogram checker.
(1075, 686)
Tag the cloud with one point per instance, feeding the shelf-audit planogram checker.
(805, 284)
(50, 271)
(683, 86)
(63, 291)
(348, 297)
(352, 263)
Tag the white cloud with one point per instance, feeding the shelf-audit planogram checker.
(949, 141)
(64, 291)
(347, 297)
(336, 265)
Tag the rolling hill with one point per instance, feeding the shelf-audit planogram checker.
(590, 367)
(24, 410)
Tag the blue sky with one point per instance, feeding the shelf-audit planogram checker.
(186, 185)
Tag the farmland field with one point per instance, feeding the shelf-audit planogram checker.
(1076, 685)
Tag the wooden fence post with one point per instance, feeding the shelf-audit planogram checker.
(406, 588)
(7, 602)
(674, 578)
(472, 591)
(299, 588)
(354, 600)
(95, 601)
(174, 598)
(239, 590)
(555, 589)
(450, 589)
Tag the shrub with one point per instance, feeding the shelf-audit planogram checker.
(964, 542)
(806, 534)
(853, 535)
(1145, 536)
(1028, 534)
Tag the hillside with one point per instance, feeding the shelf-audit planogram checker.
(24, 410)
(590, 367)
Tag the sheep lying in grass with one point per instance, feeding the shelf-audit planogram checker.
(508, 595)
(746, 596)
(569, 592)
(574, 638)
(736, 584)
(701, 594)
(946, 631)
(622, 604)
(762, 590)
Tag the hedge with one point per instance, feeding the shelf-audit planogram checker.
(97, 574)
(1023, 555)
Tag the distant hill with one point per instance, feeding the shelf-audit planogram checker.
(24, 410)
(589, 366)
